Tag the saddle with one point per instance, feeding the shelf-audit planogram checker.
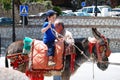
(38, 58)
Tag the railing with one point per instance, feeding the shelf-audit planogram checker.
(0, 45)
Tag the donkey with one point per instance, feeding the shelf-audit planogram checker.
(82, 54)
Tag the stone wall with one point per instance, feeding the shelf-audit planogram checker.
(79, 26)
(34, 8)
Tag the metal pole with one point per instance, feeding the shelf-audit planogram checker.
(0, 45)
(13, 28)
(23, 26)
(95, 8)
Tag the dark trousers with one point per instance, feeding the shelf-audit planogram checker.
(51, 48)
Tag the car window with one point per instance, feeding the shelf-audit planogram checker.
(84, 10)
(116, 10)
(8, 19)
(109, 8)
(3, 19)
(90, 10)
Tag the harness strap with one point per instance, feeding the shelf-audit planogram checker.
(13, 55)
(18, 59)
(73, 55)
(34, 76)
(91, 45)
(98, 52)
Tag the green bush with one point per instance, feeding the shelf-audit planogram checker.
(58, 10)
(7, 6)
(48, 4)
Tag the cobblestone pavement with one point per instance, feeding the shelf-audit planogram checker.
(9, 73)
(85, 72)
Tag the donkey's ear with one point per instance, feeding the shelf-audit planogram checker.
(96, 34)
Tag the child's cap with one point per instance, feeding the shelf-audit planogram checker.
(50, 12)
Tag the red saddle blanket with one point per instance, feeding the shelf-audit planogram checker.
(39, 57)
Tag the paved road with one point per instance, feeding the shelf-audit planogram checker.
(85, 72)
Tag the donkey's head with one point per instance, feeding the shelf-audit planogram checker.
(102, 49)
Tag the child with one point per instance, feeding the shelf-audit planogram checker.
(49, 35)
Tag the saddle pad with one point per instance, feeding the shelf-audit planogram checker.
(40, 59)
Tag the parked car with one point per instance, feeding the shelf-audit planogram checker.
(67, 13)
(6, 21)
(81, 14)
(116, 12)
(42, 14)
(116, 9)
(91, 10)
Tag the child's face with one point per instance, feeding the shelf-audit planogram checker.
(52, 18)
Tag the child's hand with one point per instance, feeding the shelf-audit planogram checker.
(49, 24)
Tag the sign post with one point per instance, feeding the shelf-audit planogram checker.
(23, 13)
(95, 8)
(0, 45)
(13, 26)
(83, 4)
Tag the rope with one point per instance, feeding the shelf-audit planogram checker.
(93, 71)
(112, 63)
(0, 46)
(82, 53)
(89, 60)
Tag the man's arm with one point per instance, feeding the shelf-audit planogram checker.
(68, 37)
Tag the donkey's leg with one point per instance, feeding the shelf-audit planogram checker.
(66, 76)
(67, 72)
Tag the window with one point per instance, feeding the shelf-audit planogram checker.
(90, 10)
(98, 11)
(84, 10)
(109, 8)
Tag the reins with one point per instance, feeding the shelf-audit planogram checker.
(112, 63)
(53, 30)
(89, 60)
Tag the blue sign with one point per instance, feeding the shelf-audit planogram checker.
(23, 10)
(83, 4)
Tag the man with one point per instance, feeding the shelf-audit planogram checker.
(67, 36)
(61, 32)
